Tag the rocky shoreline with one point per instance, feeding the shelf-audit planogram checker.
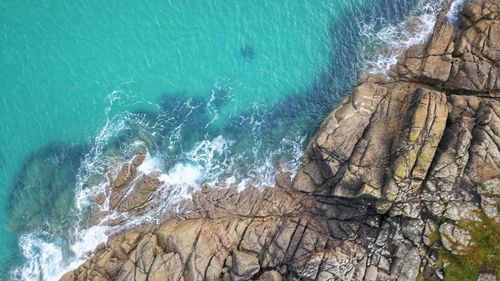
(401, 182)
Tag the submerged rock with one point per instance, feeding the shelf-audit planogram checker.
(247, 52)
(389, 182)
(52, 170)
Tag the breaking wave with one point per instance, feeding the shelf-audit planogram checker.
(186, 143)
(385, 42)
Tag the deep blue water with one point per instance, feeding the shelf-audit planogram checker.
(218, 92)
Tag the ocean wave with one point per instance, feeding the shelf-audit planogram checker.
(181, 165)
(456, 7)
(187, 147)
(384, 43)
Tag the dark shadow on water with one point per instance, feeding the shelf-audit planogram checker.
(191, 114)
(298, 113)
(45, 184)
(247, 52)
(304, 111)
(133, 131)
(309, 108)
(44, 189)
(42, 195)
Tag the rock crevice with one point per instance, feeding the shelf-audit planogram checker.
(394, 175)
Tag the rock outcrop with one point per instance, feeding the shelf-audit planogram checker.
(394, 175)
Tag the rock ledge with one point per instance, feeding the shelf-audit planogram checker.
(386, 183)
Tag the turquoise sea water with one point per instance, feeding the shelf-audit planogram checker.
(220, 92)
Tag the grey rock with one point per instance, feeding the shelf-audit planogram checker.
(454, 238)
(486, 277)
(386, 179)
(272, 275)
(245, 265)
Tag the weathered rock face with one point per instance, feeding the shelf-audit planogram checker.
(127, 192)
(464, 62)
(391, 174)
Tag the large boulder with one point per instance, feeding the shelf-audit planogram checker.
(389, 182)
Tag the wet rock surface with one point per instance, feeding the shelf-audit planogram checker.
(390, 178)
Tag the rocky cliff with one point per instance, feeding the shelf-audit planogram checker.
(401, 182)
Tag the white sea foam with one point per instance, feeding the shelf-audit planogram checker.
(455, 9)
(183, 174)
(150, 164)
(86, 241)
(210, 160)
(48, 257)
(45, 260)
(391, 40)
(40, 257)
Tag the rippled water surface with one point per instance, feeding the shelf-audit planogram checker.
(218, 92)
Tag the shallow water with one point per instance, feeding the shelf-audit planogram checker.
(219, 92)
